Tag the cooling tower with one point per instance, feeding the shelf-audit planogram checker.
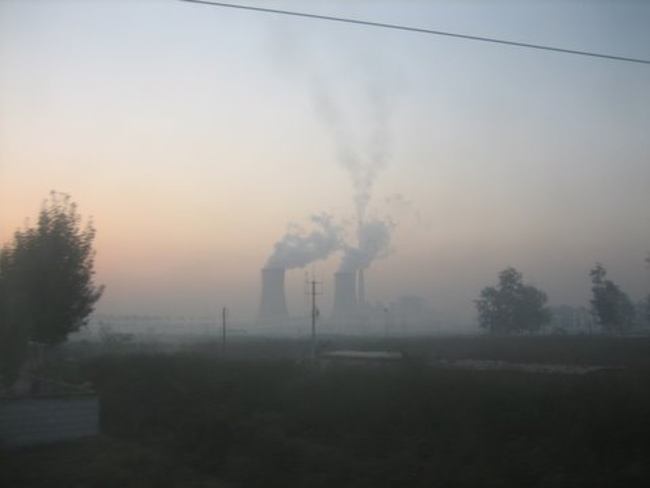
(273, 305)
(345, 296)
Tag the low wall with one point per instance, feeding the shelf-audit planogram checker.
(48, 419)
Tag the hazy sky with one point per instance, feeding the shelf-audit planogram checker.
(195, 135)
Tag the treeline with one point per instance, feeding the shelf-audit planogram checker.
(514, 307)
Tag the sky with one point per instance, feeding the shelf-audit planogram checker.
(196, 137)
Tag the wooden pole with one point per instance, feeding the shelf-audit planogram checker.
(223, 329)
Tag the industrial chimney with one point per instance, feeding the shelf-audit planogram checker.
(273, 305)
(345, 296)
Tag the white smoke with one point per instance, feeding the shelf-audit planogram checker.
(341, 78)
(362, 164)
(374, 243)
(299, 248)
(366, 85)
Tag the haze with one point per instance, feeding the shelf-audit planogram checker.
(195, 135)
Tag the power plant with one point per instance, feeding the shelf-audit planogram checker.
(346, 309)
(348, 314)
(298, 248)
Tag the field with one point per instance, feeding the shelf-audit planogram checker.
(261, 416)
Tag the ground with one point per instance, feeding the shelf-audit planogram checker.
(100, 461)
(260, 416)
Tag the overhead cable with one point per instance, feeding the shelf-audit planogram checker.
(420, 30)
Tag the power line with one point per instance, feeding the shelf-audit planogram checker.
(422, 31)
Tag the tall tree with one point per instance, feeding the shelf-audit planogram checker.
(611, 307)
(511, 306)
(49, 273)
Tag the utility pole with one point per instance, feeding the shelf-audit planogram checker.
(386, 324)
(313, 291)
(223, 330)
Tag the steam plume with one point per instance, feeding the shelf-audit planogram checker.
(363, 157)
(374, 243)
(298, 248)
(363, 171)
(355, 69)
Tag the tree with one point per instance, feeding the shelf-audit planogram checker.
(611, 307)
(512, 306)
(46, 275)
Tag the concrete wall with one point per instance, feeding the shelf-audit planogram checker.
(44, 420)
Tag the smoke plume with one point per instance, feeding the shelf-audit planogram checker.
(363, 167)
(338, 81)
(363, 85)
(374, 243)
(362, 163)
(299, 248)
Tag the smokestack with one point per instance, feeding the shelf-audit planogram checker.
(345, 296)
(273, 305)
(362, 288)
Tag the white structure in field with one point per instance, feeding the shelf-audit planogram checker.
(45, 420)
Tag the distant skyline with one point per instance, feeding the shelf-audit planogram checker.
(195, 135)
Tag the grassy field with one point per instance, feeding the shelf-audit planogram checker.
(101, 461)
(259, 418)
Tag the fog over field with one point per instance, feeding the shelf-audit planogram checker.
(209, 143)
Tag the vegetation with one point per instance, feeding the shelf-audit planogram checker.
(511, 306)
(248, 422)
(46, 281)
(278, 424)
(98, 462)
(612, 308)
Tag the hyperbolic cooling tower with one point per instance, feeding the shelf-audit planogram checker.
(345, 296)
(273, 305)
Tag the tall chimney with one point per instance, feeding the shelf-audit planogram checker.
(345, 296)
(362, 288)
(273, 305)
